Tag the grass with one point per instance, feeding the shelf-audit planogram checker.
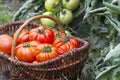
(7, 10)
(5, 16)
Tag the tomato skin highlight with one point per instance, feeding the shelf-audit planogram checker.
(6, 43)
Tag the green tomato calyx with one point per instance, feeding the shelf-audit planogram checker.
(47, 49)
(26, 44)
(41, 31)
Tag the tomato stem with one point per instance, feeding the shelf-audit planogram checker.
(66, 39)
(55, 5)
(63, 12)
(57, 35)
(26, 44)
(47, 49)
(41, 31)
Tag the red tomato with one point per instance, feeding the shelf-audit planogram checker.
(57, 34)
(27, 51)
(64, 44)
(58, 42)
(47, 52)
(42, 34)
(75, 42)
(23, 37)
(6, 43)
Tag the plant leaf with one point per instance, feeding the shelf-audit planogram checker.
(108, 69)
(113, 53)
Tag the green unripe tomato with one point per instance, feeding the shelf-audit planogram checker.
(65, 16)
(70, 4)
(51, 5)
(47, 22)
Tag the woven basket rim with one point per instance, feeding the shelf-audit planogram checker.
(21, 63)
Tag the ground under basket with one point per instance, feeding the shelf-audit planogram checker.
(66, 65)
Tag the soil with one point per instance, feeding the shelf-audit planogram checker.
(11, 5)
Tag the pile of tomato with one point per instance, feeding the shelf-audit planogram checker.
(60, 9)
(38, 44)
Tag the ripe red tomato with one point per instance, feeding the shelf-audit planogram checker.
(64, 44)
(6, 43)
(75, 42)
(57, 34)
(58, 42)
(27, 51)
(47, 52)
(23, 37)
(42, 34)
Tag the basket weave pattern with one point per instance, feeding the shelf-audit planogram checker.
(68, 64)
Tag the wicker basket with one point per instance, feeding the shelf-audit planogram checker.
(68, 64)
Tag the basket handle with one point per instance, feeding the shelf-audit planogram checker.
(26, 23)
